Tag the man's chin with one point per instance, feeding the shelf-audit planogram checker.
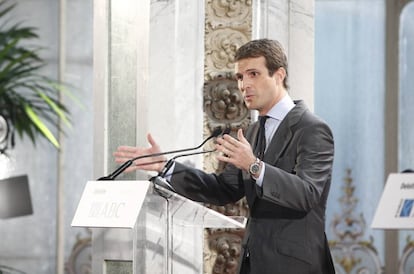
(248, 105)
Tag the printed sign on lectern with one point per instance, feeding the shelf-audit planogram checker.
(113, 204)
(396, 207)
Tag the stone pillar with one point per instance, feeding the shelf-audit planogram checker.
(393, 12)
(292, 23)
(121, 39)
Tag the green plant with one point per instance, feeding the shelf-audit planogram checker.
(29, 102)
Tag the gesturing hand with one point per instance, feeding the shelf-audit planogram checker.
(235, 151)
(125, 153)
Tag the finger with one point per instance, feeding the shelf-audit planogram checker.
(241, 137)
(231, 140)
(126, 149)
(227, 153)
(130, 169)
(120, 160)
(129, 153)
(220, 144)
(220, 148)
(219, 141)
(119, 154)
(231, 143)
(223, 158)
(151, 140)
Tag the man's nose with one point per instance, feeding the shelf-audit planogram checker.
(241, 85)
(244, 85)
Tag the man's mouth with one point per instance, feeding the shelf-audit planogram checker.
(248, 96)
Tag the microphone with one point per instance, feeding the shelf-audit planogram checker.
(170, 162)
(217, 131)
(159, 179)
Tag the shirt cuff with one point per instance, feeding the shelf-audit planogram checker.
(169, 172)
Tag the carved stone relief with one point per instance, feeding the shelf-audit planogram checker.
(223, 103)
(221, 45)
(352, 253)
(228, 25)
(80, 259)
(224, 250)
(407, 258)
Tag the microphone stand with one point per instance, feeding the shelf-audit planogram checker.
(128, 163)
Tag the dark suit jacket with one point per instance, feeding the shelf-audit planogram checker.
(285, 231)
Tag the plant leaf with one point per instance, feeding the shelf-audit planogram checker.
(40, 125)
(55, 107)
(31, 103)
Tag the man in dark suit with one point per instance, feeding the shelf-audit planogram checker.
(282, 166)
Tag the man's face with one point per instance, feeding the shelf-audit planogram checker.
(260, 91)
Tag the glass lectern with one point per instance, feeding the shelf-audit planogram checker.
(167, 238)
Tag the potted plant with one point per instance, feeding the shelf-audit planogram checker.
(29, 102)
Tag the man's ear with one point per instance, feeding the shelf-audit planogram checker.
(280, 73)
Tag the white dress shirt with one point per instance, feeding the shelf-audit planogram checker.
(276, 114)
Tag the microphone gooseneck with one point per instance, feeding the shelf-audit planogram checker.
(217, 131)
(170, 162)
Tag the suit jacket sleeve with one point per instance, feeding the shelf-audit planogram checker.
(204, 187)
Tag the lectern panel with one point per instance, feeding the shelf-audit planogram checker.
(151, 236)
(118, 267)
(170, 234)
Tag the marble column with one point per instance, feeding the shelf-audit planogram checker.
(121, 45)
(292, 23)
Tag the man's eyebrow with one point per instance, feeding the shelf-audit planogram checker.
(247, 70)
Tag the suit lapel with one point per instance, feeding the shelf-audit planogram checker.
(278, 144)
(284, 133)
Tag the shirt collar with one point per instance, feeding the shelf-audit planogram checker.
(281, 108)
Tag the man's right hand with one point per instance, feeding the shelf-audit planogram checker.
(125, 153)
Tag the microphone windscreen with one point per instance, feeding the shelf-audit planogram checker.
(227, 130)
(217, 131)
